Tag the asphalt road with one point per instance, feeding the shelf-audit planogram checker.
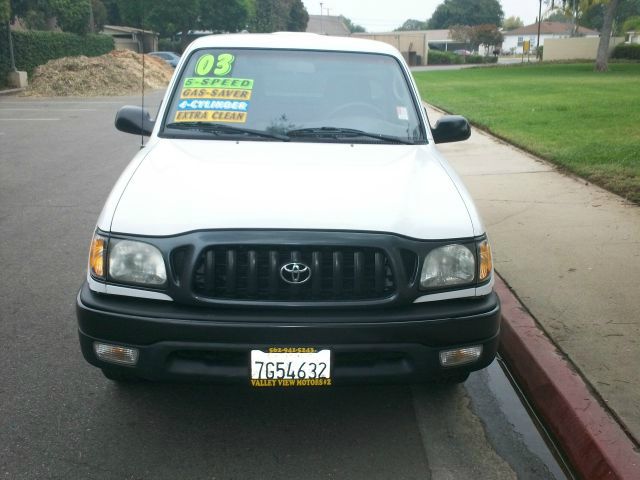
(59, 418)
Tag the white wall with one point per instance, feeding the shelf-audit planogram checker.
(511, 41)
(577, 48)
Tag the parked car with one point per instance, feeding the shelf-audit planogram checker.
(289, 222)
(171, 58)
(462, 52)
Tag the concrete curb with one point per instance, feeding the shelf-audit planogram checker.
(594, 443)
(12, 91)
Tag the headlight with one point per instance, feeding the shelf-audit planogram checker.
(448, 266)
(136, 262)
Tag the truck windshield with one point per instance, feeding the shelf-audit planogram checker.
(317, 96)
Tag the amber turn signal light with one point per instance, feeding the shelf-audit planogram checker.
(97, 256)
(486, 263)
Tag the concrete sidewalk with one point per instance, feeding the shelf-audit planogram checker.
(571, 252)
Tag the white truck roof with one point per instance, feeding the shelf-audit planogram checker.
(294, 40)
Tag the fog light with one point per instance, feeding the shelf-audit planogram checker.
(116, 353)
(460, 356)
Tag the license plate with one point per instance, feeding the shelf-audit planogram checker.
(290, 367)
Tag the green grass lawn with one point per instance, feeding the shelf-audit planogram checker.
(586, 122)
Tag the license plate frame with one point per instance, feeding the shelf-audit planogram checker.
(290, 367)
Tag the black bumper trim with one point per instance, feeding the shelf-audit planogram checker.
(399, 344)
(352, 363)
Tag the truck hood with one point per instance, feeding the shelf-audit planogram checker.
(187, 185)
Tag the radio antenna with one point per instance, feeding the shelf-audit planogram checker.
(142, 44)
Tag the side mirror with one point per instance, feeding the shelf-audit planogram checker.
(134, 119)
(451, 128)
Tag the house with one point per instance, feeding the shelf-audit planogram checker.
(131, 38)
(328, 25)
(514, 39)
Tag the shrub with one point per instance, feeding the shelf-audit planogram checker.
(33, 48)
(629, 51)
(474, 59)
(436, 57)
(481, 59)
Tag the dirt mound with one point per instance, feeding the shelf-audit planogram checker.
(117, 73)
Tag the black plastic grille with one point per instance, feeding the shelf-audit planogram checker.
(246, 273)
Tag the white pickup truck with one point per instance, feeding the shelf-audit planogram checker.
(289, 222)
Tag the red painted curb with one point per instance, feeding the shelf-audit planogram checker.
(593, 442)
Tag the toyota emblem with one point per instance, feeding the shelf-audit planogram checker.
(295, 273)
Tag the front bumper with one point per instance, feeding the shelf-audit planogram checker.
(368, 345)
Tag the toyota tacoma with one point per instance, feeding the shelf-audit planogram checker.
(289, 222)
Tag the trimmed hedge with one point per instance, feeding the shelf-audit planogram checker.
(629, 51)
(437, 57)
(481, 59)
(33, 48)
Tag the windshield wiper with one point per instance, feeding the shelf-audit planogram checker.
(223, 128)
(335, 132)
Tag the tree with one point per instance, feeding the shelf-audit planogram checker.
(572, 10)
(298, 17)
(610, 13)
(466, 12)
(511, 23)
(590, 13)
(593, 17)
(113, 13)
(130, 13)
(602, 60)
(487, 35)
(631, 24)
(167, 18)
(224, 15)
(69, 15)
(5, 12)
(411, 25)
(460, 33)
(353, 28)
(267, 18)
(99, 14)
(626, 9)
(557, 16)
(36, 14)
(276, 15)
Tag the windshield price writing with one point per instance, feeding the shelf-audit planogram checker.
(222, 67)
